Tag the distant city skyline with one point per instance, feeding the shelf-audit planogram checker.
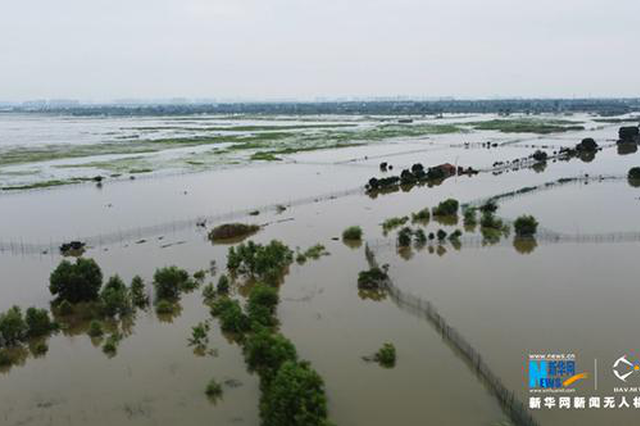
(305, 50)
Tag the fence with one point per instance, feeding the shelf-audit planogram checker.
(515, 409)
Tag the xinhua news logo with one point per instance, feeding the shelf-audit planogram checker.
(554, 373)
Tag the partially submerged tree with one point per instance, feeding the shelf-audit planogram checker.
(296, 397)
(448, 207)
(76, 282)
(352, 233)
(526, 226)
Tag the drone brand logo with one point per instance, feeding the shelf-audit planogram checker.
(553, 372)
(623, 368)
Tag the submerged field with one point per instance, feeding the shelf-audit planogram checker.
(569, 289)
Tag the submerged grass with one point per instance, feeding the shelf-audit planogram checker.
(528, 125)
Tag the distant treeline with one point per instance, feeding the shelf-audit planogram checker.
(607, 107)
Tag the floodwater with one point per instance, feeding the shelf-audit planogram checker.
(506, 299)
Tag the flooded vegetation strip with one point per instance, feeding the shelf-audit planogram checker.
(512, 406)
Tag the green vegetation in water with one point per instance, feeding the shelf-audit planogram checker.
(313, 252)
(525, 226)
(213, 390)
(421, 216)
(264, 156)
(266, 263)
(449, 207)
(232, 232)
(528, 125)
(386, 356)
(45, 184)
(394, 222)
(79, 282)
(372, 279)
(352, 233)
(634, 173)
(170, 281)
(470, 219)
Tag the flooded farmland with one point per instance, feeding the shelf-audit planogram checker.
(165, 183)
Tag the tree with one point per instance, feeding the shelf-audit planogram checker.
(296, 397)
(404, 237)
(13, 329)
(79, 282)
(525, 226)
(138, 294)
(540, 156)
(634, 173)
(115, 297)
(266, 351)
(448, 207)
(38, 322)
(168, 282)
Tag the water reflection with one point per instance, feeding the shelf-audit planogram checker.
(525, 245)
(627, 148)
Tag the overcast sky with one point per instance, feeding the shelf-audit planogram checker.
(266, 49)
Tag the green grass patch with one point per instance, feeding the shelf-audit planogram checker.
(525, 125)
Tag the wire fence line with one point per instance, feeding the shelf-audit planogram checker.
(507, 399)
(547, 186)
(140, 233)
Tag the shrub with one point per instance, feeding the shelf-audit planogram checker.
(79, 282)
(404, 237)
(447, 207)
(634, 173)
(199, 275)
(168, 282)
(232, 319)
(441, 234)
(352, 233)
(223, 284)
(199, 334)
(540, 156)
(420, 237)
(263, 295)
(110, 347)
(526, 226)
(266, 263)
(232, 231)
(315, 252)
(115, 297)
(138, 294)
(39, 349)
(394, 222)
(421, 216)
(164, 307)
(373, 279)
(489, 207)
(65, 308)
(209, 293)
(265, 352)
(490, 221)
(38, 322)
(455, 235)
(295, 397)
(386, 356)
(214, 390)
(13, 328)
(95, 329)
(471, 217)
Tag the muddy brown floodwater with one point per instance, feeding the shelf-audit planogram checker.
(508, 299)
